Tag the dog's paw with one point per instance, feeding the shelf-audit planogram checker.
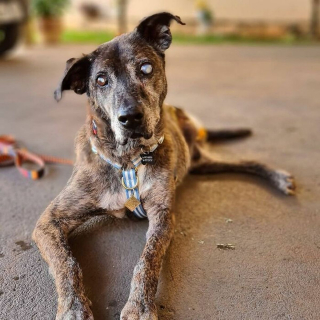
(135, 310)
(76, 311)
(284, 182)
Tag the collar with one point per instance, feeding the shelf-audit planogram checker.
(136, 161)
(153, 147)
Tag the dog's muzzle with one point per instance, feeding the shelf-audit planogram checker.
(131, 116)
(132, 119)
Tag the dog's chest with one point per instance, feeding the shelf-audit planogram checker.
(115, 200)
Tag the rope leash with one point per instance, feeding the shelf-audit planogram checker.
(10, 154)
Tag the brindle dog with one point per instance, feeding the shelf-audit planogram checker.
(125, 83)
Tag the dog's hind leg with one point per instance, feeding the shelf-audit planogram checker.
(281, 179)
(227, 134)
(69, 210)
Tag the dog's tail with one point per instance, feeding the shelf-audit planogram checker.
(227, 134)
(217, 135)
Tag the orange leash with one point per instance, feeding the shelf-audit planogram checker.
(10, 154)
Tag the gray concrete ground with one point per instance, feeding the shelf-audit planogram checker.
(274, 271)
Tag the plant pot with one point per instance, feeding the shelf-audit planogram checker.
(51, 29)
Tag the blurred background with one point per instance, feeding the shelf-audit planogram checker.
(208, 21)
(237, 63)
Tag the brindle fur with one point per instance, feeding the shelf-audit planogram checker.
(94, 187)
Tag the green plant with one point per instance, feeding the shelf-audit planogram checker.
(49, 8)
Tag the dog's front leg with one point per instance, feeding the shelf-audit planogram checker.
(141, 305)
(69, 210)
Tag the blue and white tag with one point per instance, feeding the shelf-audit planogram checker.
(133, 203)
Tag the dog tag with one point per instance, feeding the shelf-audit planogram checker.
(132, 203)
(147, 158)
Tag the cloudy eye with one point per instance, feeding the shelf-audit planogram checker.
(102, 81)
(146, 68)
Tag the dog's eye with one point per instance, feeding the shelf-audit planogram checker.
(146, 68)
(102, 81)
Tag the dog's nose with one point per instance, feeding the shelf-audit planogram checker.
(131, 117)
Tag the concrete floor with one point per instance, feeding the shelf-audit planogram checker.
(274, 271)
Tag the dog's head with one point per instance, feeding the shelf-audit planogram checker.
(125, 78)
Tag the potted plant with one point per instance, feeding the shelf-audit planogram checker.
(49, 13)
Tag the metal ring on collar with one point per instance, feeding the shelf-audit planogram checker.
(129, 188)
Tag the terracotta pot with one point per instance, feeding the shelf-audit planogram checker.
(51, 29)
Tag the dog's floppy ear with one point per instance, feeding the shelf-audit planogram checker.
(156, 30)
(75, 76)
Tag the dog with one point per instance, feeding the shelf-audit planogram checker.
(131, 154)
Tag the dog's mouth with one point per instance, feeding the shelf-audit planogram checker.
(137, 135)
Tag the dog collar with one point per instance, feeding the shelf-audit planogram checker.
(130, 180)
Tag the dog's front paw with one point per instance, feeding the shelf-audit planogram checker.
(135, 310)
(76, 311)
(284, 182)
